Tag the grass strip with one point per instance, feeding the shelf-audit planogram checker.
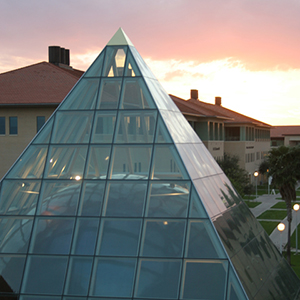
(273, 215)
(268, 226)
(252, 204)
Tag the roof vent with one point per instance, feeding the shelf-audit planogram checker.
(194, 94)
(218, 101)
(58, 56)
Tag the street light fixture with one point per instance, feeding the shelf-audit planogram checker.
(281, 227)
(255, 175)
(296, 208)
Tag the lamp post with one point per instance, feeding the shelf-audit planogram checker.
(255, 175)
(281, 227)
(296, 208)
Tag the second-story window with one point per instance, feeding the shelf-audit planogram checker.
(13, 125)
(2, 125)
(40, 121)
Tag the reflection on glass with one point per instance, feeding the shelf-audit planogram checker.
(125, 198)
(31, 164)
(163, 238)
(83, 95)
(104, 126)
(85, 236)
(130, 162)
(66, 162)
(136, 127)
(167, 164)
(52, 235)
(135, 95)
(110, 273)
(211, 286)
(168, 199)
(96, 68)
(19, 197)
(196, 207)
(72, 127)
(78, 277)
(59, 198)
(15, 234)
(43, 136)
(91, 198)
(114, 61)
(162, 134)
(158, 278)
(97, 164)
(43, 270)
(11, 272)
(109, 93)
(131, 68)
(119, 237)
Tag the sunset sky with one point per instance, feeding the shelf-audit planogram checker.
(246, 51)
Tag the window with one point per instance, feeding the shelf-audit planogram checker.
(40, 121)
(2, 125)
(13, 125)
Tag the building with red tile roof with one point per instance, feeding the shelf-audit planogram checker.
(285, 135)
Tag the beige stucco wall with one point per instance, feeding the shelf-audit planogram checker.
(11, 146)
(216, 148)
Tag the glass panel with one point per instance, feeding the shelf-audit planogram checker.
(13, 125)
(168, 199)
(78, 277)
(66, 162)
(52, 235)
(114, 61)
(44, 275)
(98, 162)
(130, 162)
(125, 199)
(119, 237)
(104, 127)
(96, 68)
(109, 93)
(162, 134)
(196, 207)
(39, 297)
(136, 127)
(91, 198)
(212, 283)
(135, 95)
(11, 272)
(202, 241)
(158, 279)
(141, 64)
(43, 137)
(72, 127)
(40, 121)
(59, 198)
(163, 238)
(162, 99)
(167, 163)
(110, 273)
(84, 240)
(131, 68)
(19, 197)
(31, 164)
(83, 95)
(15, 234)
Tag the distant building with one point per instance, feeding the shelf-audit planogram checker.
(29, 95)
(285, 135)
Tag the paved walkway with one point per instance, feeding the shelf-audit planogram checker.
(276, 236)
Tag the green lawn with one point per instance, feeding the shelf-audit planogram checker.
(282, 205)
(268, 226)
(273, 215)
(252, 204)
(295, 262)
(293, 239)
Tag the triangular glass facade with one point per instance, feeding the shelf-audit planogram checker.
(117, 198)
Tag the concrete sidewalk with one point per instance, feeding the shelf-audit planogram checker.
(276, 236)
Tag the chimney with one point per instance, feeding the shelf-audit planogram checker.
(218, 101)
(194, 94)
(58, 56)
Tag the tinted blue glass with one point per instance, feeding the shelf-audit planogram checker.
(113, 277)
(40, 121)
(196, 207)
(158, 279)
(109, 94)
(211, 286)
(44, 275)
(11, 271)
(2, 125)
(119, 237)
(163, 238)
(43, 137)
(114, 61)
(78, 277)
(13, 125)
(96, 68)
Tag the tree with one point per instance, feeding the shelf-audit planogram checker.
(237, 175)
(284, 167)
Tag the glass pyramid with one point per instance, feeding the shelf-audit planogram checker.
(117, 198)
